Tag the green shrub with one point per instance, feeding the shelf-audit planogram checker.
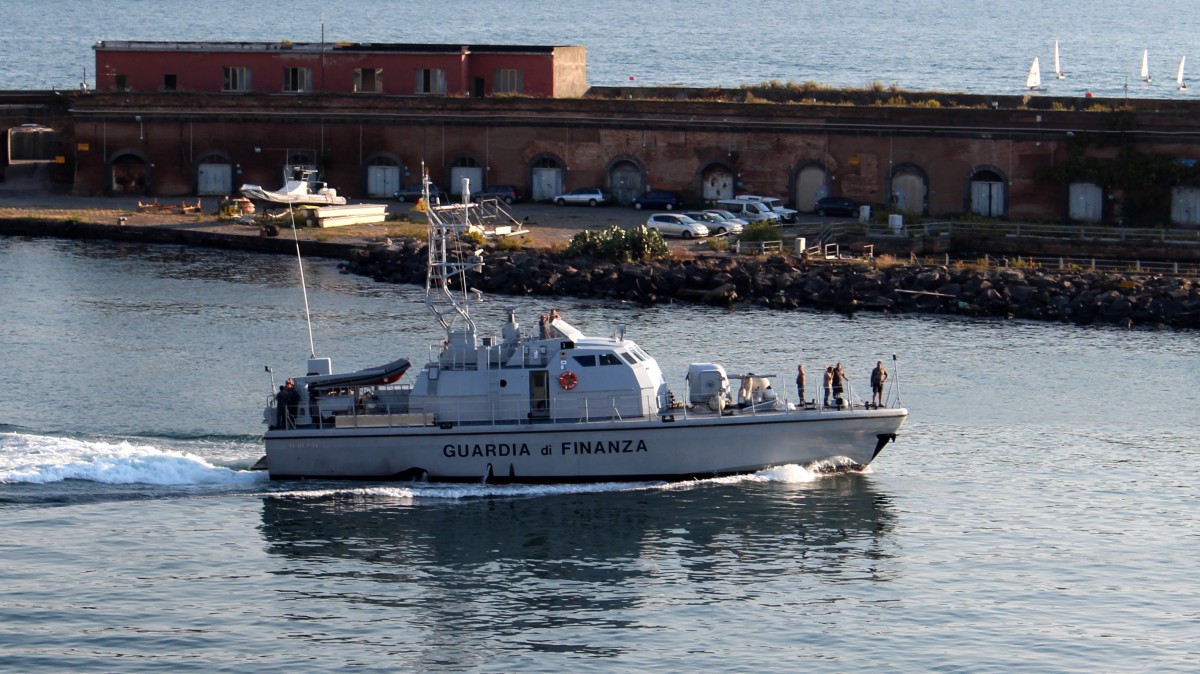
(619, 245)
(762, 231)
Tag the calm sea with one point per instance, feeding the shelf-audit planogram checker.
(1036, 515)
(976, 46)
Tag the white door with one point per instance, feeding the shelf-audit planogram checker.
(214, 179)
(1087, 202)
(718, 184)
(472, 173)
(810, 186)
(382, 181)
(547, 183)
(987, 198)
(908, 191)
(1185, 206)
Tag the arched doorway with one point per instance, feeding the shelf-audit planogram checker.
(810, 185)
(909, 189)
(625, 180)
(1086, 202)
(214, 174)
(986, 190)
(546, 177)
(130, 173)
(384, 175)
(717, 181)
(1185, 206)
(468, 168)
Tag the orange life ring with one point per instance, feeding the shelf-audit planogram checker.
(568, 380)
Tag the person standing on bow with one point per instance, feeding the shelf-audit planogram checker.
(800, 382)
(878, 377)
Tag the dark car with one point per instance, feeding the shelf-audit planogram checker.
(507, 193)
(667, 201)
(837, 206)
(414, 192)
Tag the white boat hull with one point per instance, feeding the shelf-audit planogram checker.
(695, 446)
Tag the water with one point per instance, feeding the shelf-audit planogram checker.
(975, 46)
(1036, 514)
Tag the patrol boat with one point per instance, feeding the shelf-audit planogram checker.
(546, 406)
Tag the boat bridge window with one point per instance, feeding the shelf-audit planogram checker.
(628, 358)
(609, 359)
(586, 361)
(638, 353)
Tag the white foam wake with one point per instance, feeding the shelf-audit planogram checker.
(38, 459)
(411, 493)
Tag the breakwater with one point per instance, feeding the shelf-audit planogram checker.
(782, 282)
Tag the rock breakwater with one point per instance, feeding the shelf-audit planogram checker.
(783, 282)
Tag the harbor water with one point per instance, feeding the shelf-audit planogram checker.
(1037, 513)
(973, 46)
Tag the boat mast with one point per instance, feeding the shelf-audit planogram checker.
(447, 264)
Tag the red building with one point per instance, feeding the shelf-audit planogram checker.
(342, 67)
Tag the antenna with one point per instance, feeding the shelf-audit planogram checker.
(312, 349)
(896, 379)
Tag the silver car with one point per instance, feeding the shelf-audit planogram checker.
(718, 222)
(676, 225)
(580, 196)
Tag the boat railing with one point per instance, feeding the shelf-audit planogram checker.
(483, 412)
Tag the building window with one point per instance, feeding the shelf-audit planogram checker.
(297, 80)
(121, 82)
(169, 82)
(368, 80)
(508, 82)
(431, 81)
(237, 78)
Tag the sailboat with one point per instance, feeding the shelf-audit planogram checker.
(1034, 80)
(1179, 75)
(1057, 66)
(1145, 74)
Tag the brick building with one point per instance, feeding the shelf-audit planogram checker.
(341, 67)
(938, 155)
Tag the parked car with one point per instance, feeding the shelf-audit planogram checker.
(837, 206)
(676, 225)
(750, 211)
(509, 194)
(414, 192)
(785, 214)
(591, 196)
(717, 224)
(728, 217)
(658, 199)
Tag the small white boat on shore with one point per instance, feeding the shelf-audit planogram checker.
(298, 190)
(548, 405)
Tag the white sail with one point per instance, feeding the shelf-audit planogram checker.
(1179, 75)
(1057, 66)
(1145, 73)
(1034, 80)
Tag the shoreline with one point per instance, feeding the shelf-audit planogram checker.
(1125, 299)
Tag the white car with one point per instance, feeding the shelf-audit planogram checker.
(676, 225)
(580, 196)
(717, 224)
(785, 214)
(749, 211)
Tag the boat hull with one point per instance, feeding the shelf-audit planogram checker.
(682, 448)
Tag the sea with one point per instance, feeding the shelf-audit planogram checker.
(970, 46)
(1037, 513)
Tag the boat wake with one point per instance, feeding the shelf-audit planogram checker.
(414, 493)
(41, 459)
